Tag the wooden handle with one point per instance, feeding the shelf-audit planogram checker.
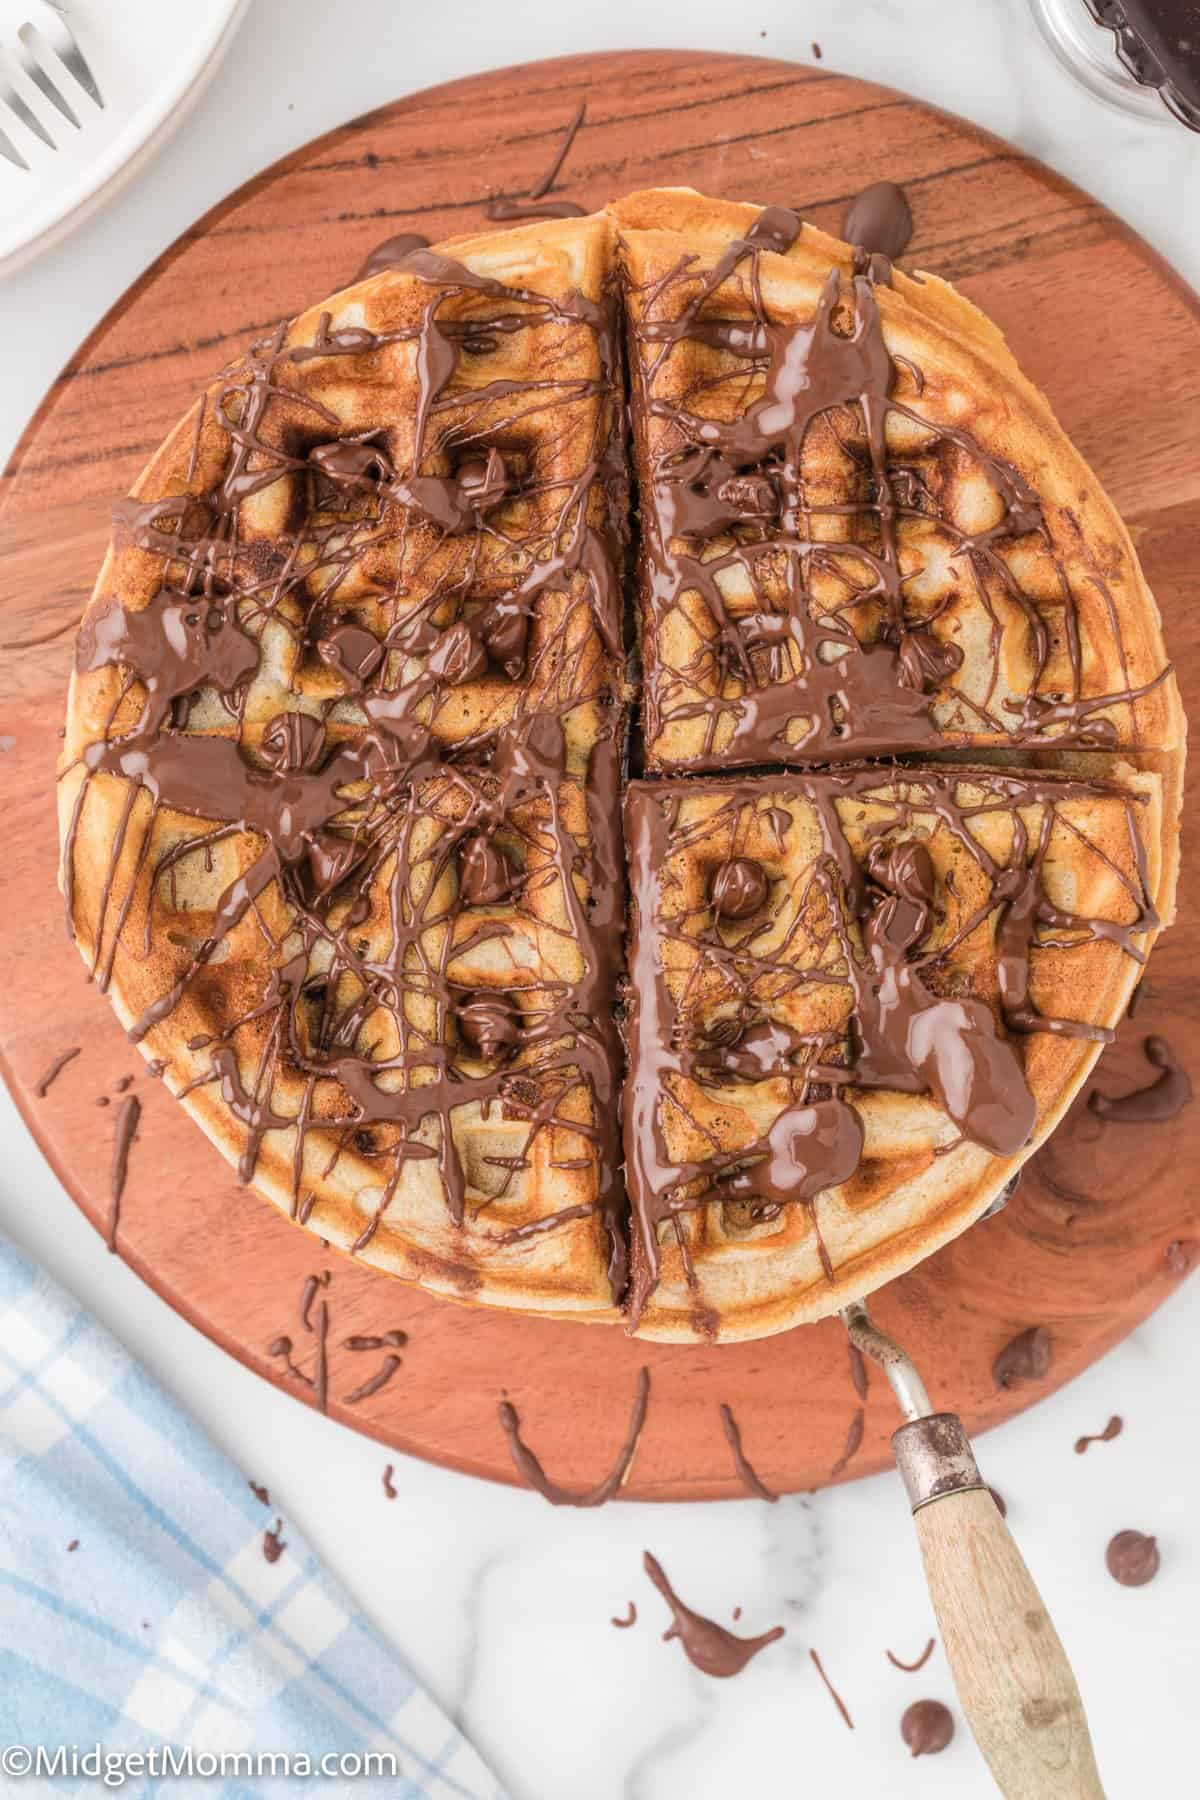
(1011, 1671)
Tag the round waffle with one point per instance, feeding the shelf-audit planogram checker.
(341, 788)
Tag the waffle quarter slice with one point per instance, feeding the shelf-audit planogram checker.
(862, 530)
(860, 1001)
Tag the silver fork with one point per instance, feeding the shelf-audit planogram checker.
(49, 24)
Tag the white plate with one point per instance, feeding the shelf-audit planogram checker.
(151, 60)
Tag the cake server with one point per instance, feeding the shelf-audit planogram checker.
(1014, 1682)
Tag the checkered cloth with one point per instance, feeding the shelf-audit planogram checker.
(137, 1608)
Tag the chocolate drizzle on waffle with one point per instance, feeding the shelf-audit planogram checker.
(361, 687)
(800, 501)
(843, 938)
(365, 820)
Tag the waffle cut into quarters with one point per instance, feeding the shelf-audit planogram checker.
(349, 731)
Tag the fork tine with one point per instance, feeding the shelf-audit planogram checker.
(10, 97)
(9, 149)
(39, 77)
(66, 46)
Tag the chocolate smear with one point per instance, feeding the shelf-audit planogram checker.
(1132, 1558)
(531, 1469)
(854, 1438)
(624, 1624)
(749, 1477)
(709, 1647)
(1166, 1095)
(927, 1727)
(1112, 1430)
(42, 1087)
(321, 1377)
(833, 1693)
(537, 206)
(1024, 1358)
(123, 1136)
(389, 1486)
(858, 1370)
(879, 220)
(273, 1546)
(391, 253)
(260, 1493)
(912, 1667)
(375, 1382)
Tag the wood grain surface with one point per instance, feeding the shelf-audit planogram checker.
(1107, 1220)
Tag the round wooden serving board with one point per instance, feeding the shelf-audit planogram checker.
(1107, 1218)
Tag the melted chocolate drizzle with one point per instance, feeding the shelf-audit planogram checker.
(125, 1131)
(297, 799)
(1162, 1099)
(42, 1086)
(879, 220)
(900, 1033)
(391, 254)
(910, 1668)
(1112, 1430)
(749, 1477)
(832, 1691)
(531, 1469)
(708, 1646)
(854, 1438)
(367, 793)
(538, 205)
(729, 507)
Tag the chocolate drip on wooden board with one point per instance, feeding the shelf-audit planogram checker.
(531, 1470)
(538, 204)
(747, 1474)
(1162, 1099)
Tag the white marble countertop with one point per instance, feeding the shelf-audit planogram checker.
(499, 1602)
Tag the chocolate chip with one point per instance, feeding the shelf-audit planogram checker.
(1132, 1558)
(457, 656)
(926, 1727)
(489, 1024)
(485, 874)
(738, 888)
(504, 634)
(1025, 1358)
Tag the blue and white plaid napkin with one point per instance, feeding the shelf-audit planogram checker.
(166, 1626)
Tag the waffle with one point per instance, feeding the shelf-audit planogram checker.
(860, 1002)
(863, 532)
(341, 791)
(340, 800)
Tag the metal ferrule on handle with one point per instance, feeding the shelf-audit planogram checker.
(935, 1458)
